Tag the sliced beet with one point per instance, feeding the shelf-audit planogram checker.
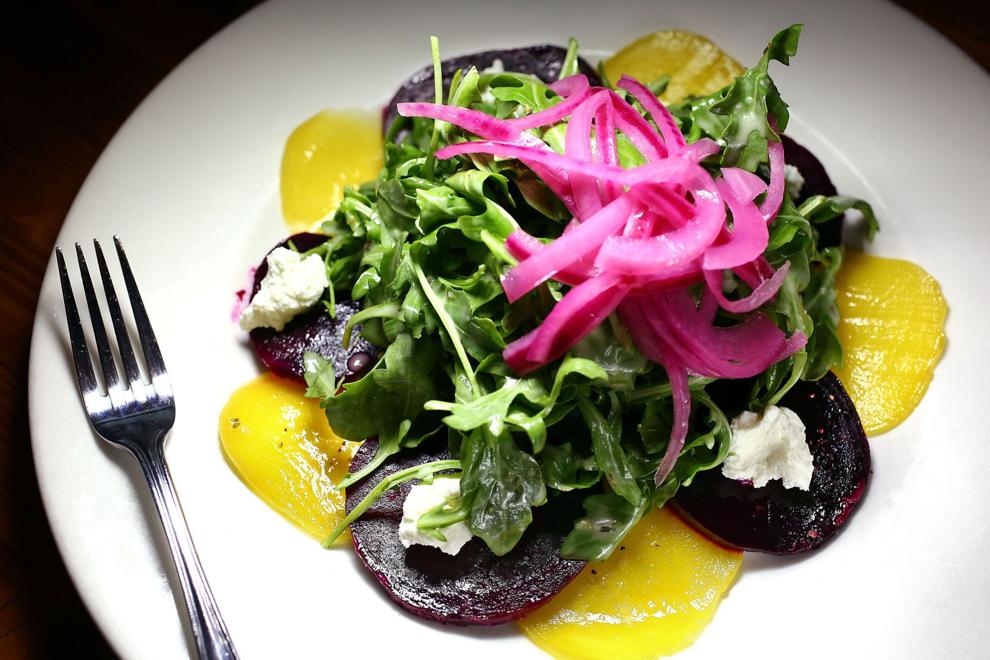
(816, 179)
(782, 520)
(281, 351)
(543, 61)
(816, 182)
(474, 587)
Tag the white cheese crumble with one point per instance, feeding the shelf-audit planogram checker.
(496, 67)
(423, 498)
(769, 446)
(293, 284)
(793, 181)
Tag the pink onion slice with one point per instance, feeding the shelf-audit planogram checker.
(672, 135)
(747, 240)
(571, 247)
(607, 150)
(581, 311)
(577, 144)
(647, 256)
(473, 121)
(632, 313)
(775, 193)
(523, 246)
(746, 186)
(700, 150)
(763, 292)
(738, 351)
(635, 127)
(682, 417)
(516, 354)
(570, 85)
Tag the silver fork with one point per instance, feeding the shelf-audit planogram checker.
(136, 416)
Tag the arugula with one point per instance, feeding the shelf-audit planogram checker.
(384, 403)
(739, 115)
(606, 439)
(608, 518)
(501, 484)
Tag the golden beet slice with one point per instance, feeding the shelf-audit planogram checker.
(280, 444)
(696, 66)
(328, 151)
(892, 328)
(651, 598)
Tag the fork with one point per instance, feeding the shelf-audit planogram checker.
(137, 416)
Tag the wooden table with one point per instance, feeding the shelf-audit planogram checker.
(71, 74)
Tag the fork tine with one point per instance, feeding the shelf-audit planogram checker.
(103, 350)
(119, 328)
(80, 353)
(152, 355)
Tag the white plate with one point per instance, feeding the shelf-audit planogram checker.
(191, 185)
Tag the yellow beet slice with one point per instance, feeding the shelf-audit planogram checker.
(330, 150)
(696, 66)
(280, 444)
(651, 599)
(892, 330)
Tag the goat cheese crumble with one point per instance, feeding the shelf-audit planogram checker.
(769, 445)
(423, 498)
(793, 181)
(293, 284)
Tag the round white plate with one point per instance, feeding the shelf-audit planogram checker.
(190, 183)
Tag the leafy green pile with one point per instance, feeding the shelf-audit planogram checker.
(422, 248)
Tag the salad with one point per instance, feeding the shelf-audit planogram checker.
(562, 305)
(552, 276)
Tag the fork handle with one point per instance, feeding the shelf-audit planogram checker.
(212, 639)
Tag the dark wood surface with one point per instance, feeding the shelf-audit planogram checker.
(70, 74)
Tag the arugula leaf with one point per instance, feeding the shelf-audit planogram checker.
(496, 409)
(424, 472)
(396, 209)
(502, 484)
(739, 115)
(823, 348)
(386, 401)
(319, 376)
(527, 92)
(407, 363)
(570, 65)
(490, 410)
(439, 205)
(565, 470)
(614, 353)
(819, 209)
(607, 521)
(606, 439)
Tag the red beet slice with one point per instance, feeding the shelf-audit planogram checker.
(785, 521)
(281, 351)
(474, 587)
(816, 179)
(543, 61)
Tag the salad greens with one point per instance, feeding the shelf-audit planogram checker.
(423, 249)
